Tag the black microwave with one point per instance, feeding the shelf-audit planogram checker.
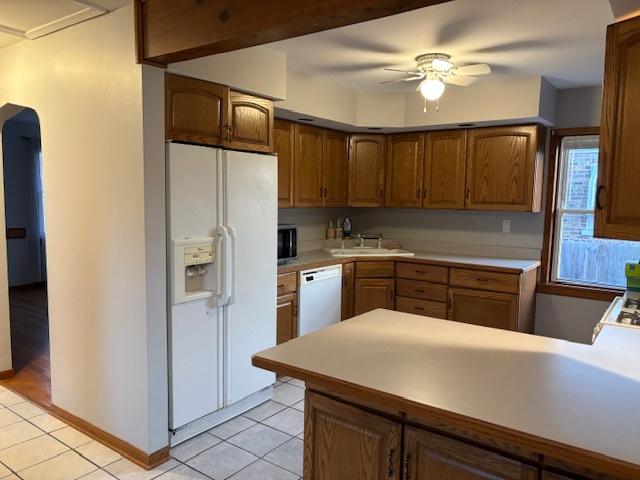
(287, 243)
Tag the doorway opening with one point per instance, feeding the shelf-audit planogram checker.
(26, 256)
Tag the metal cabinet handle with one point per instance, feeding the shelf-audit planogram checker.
(280, 285)
(405, 466)
(421, 272)
(598, 203)
(424, 193)
(482, 280)
(418, 290)
(418, 193)
(391, 294)
(418, 308)
(381, 193)
(390, 463)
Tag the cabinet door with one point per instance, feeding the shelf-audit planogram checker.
(335, 162)
(287, 319)
(403, 172)
(434, 457)
(618, 212)
(348, 285)
(344, 442)
(504, 169)
(489, 309)
(195, 110)
(250, 124)
(283, 146)
(445, 169)
(372, 293)
(307, 160)
(366, 170)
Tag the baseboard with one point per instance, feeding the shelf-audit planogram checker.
(4, 374)
(145, 460)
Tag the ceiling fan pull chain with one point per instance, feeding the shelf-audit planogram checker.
(425, 106)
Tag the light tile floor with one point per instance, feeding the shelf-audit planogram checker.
(263, 444)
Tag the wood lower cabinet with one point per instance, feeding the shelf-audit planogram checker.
(366, 170)
(287, 318)
(618, 197)
(403, 170)
(335, 168)
(372, 293)
(428, 308)
(283, 146)
(307, 183)
(445, 161)
(250, 123)
(348, 290)
(195, 110)
(435, 457)
(344, 442)
(489, 309)
(504, 168)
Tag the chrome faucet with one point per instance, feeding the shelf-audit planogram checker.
(368, 236)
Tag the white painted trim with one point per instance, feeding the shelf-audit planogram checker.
(87, 13)
(12, 31)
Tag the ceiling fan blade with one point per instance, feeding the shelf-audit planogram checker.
(398, 80)
(410, 72)
(477, 69)
(460, 80)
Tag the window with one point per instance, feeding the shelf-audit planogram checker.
(577, 258)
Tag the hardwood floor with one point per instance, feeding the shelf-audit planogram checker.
(30, 343)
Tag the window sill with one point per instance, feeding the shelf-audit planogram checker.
(576, 291)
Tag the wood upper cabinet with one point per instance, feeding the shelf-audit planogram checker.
(405, 152)
(283, 146)
(366, 170)
(207, 113)
(489, 309)
(348, 286)
(431, 456)
(250, 125)
(307, 159)
(344, 442)
(335, 163)
(445, 161)
(195, 110)
(286, 318)
(554, 476)
(618, 197)
(504, 168)
(372, 293)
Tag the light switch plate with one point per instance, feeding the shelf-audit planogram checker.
(506, 226)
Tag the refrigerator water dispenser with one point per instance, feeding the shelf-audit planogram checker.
(194, 269)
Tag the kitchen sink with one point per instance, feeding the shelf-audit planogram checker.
(369, 252)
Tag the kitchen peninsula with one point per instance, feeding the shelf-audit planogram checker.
(395, 395)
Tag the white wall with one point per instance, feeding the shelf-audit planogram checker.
(86, 87)
(579, 107)
(19, 140)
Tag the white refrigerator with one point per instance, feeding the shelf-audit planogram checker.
(222, 233)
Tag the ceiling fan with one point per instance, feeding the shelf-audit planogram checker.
(436, 69)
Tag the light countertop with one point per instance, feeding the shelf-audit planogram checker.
(317, 258)
(583, 396)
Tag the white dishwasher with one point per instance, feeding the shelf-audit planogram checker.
(319, 298)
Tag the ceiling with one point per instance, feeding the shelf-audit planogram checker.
(562, 40)
(29, 19)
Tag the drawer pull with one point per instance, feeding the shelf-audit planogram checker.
(390, 464)
(482, 279)
(419, 290)
(405, 466)
(280, 285)
(421, 272)
(419, 308)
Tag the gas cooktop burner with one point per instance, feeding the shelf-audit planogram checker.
(633, 303)
(629, 318)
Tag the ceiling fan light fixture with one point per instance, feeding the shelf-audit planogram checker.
(431, 89)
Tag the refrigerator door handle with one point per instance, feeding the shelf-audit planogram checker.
(231, 264)
(225, 267)
(220, 236)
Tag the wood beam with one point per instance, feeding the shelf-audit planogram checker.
(176, 30)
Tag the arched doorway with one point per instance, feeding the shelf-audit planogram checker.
(26, 255)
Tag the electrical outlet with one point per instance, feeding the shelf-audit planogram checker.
(506, 226)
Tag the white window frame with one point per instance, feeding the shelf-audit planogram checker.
(561, 193)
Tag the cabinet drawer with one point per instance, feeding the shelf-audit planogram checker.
(287, 283)
(494, 281)
(422, 290)
(419, 271)
(374, 269)
(421, 307)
